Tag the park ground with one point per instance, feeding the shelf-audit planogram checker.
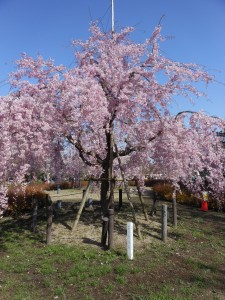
(191, 265)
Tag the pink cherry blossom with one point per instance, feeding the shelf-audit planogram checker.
(113, 90)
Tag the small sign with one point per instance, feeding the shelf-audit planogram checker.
(205, 196)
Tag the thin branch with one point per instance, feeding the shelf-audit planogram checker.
(83, 152)
(185, 112)
(129, 149)
(160, 21)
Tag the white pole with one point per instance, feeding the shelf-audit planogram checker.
(112, 16)
(130, 242)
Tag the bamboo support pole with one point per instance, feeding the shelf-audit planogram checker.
(81, 207)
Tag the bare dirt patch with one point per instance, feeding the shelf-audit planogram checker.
(89, 227)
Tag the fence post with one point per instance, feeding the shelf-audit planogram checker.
(105, 224)
(164, 222)
(174, 209)
(58, 189)
(59, 204)
(120, 198)
(49, 206)
(34, 216)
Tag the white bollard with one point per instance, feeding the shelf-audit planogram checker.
(130, 241)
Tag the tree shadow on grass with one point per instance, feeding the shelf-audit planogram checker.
(14, 227)
(69, 211)
(155, 233)
(17, 229)
(209, 220)
(189, 213)
(91, 242)
(213, 280)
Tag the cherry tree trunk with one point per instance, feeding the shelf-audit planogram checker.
(104, 205)
(107, 195)
(104, 199)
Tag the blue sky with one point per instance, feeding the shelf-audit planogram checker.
(47, 27)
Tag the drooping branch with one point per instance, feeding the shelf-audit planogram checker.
(185, 112)
(82, 152)
(129, 148)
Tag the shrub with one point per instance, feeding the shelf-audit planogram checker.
(66, 185)
(49, 186)
(20, 199)
(83, 183)
(131, 183)
(165, 191)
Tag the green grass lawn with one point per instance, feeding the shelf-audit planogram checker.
(190, 266)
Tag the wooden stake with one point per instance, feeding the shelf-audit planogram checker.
(49, 206)
(174, 209)
(34, 216)
(164, 222)
(120, 198)
(105, 224)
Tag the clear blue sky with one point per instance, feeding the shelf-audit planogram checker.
(47, 27)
